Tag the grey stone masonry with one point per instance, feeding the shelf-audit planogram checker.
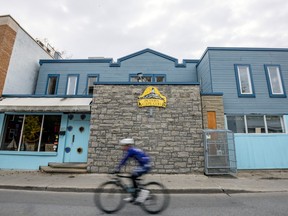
(172, 136)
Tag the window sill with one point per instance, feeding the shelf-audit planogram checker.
(28, 153)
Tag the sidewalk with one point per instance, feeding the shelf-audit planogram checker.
(244, 182)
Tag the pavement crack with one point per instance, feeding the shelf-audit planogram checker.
(225, 192)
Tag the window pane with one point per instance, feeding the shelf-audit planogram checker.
(52, 82)
(275, 80)
(160, 79)
(12, 132)
(274, 124)
(245, 81)
(50, 133)
(72, 84)
(90, 86)
(133, 79)
(255, 124)
(31, 133)
(236, 124)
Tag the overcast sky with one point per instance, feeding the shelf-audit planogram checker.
(182, 29)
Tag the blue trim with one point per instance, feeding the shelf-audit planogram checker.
(57, 82)
(104, 60)
(30, 153)
(146, 83)
(88, 76)
(269, 84)
(212, 94)
(210, 71)
(72, 75)
(44, 96)
(252, 95)
(118, 62)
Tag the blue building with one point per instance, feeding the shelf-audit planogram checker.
(251, 82)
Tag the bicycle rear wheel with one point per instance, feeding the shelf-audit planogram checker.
(158, 199)
(109, 197)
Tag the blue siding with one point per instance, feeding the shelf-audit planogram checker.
(204, 75)
(223, 78)
(146, 62)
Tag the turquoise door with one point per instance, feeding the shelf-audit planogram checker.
(77, 138)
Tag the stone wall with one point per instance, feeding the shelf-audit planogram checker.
(171, 135)
(213, 103)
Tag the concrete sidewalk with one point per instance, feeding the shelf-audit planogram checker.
(244, 182)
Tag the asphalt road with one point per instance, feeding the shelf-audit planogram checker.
(30, 203)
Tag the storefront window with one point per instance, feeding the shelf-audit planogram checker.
(274, 124)
(236, 124)
(31, 133)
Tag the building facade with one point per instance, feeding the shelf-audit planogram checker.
(78, 110)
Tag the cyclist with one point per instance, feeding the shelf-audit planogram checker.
(143, 167)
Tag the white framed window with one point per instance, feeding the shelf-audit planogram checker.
(244, 81)
(90, 83)
(72, 85)
(255, 123)
(52, 84)
(274, 81)
(147, 78)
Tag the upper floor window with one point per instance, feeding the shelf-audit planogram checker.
(90, 80)
(147, 77)
(72, 85)
(255, 123)
(244, 81)
(274, 81)
(52, 84)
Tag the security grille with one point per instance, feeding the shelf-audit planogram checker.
(220, 156)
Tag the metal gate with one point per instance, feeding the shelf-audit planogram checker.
(220, 156)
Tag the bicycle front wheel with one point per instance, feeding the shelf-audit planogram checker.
(109, 197)
(158, 199)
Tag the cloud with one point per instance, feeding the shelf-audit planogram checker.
(179, 28)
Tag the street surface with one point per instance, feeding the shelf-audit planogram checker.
(30, 203)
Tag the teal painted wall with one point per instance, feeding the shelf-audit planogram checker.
(32, 160)
(261, 151)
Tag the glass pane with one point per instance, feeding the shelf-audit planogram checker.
(72, 84)
(160, 78)
(52, 85)
(12, 132)
(147, 78)
(90, 87)
(236, 124)
(50, 133)
(245, 82)
(31, 133)
(133, 79)
(255, 124)
(274, 124)
(275, 80)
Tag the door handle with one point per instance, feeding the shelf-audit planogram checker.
(73, 138)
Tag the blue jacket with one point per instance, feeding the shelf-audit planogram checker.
(140, 156)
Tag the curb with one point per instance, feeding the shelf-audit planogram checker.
(170, 191)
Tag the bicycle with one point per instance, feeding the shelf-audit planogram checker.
(109, 196)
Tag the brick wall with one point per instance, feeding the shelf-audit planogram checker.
(213, 103)
(7, 38)
(171, 135)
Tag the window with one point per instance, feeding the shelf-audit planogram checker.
(72, 85)
(31, 133)
(244, 81)
(236, 124)
(52, 84)
(90, 81)
(255, 124)
(147, 78)
(274, 124)
(274, 81)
